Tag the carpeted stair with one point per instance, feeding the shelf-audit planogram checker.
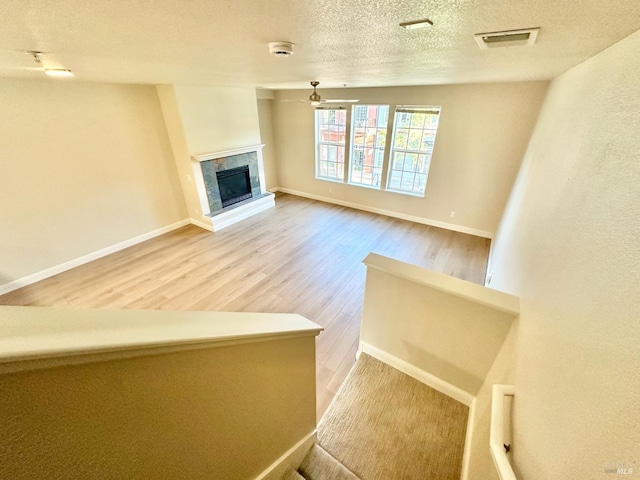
(291, 474)
(385, 425)
(319, 465)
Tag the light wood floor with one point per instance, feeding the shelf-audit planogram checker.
(301, 257)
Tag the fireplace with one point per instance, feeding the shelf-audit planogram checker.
(231, 186)
(234, 185)
(231, 170)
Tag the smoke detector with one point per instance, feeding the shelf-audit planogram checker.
(507, 38)
(281, 49)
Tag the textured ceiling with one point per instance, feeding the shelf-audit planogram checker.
(353, 42)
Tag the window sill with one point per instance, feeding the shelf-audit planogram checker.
(370, 187)
(333, 180)
(410, 194)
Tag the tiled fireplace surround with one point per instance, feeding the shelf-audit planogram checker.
(209, 192)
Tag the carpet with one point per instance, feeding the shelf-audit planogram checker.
(385, 425)
(319, 465)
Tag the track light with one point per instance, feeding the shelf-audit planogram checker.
(58, 72)
(52, 72)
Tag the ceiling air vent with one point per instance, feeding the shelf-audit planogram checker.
(508, 38)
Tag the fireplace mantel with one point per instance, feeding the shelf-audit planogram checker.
(227, 153)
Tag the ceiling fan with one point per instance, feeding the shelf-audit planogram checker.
(316, 101)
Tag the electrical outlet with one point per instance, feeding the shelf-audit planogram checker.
(452, 214)
(197, 211)
(189, 177)
(330, 189)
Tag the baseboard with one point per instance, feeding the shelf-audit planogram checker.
(291, 458)
(201, 224)
(389, 213)
(342, 386)
(466, 456)
(63, 267)
(427, 378)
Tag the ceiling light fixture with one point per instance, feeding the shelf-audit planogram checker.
(58, 72)
(415, 24)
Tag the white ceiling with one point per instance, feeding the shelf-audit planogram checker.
(353, 42)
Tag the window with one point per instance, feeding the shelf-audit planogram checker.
(331, 125)
(414, 134)
(406, 167)
(368, 139)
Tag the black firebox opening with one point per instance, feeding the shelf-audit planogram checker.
(234, 185)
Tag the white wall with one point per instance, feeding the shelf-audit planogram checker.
(83, 167)
(204, 120)
(569, 246)
(483, 133)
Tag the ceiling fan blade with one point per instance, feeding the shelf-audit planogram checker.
(340, 100)
(316, 100)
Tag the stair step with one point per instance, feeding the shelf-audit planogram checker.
(291, 474)
(320, 465)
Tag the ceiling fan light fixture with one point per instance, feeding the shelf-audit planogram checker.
(416, 24)
(314, 98)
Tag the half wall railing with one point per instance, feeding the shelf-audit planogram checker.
(152, 394)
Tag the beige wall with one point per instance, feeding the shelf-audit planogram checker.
(269, 152)
(217, 413)
(218, 118)
(481, 466)
(450, 337)
(204, 120)
(181, 155)
(84, 166)
(569, 246)
(483, 133)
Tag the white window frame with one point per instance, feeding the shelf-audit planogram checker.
(319, 144)
(353, 149)
(428, 153)
(387, 170)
